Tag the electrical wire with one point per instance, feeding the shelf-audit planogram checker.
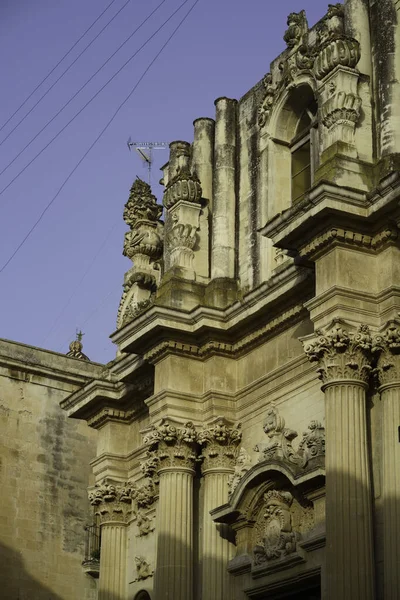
(91, 99)
(61, 76)
(32, 229)
(82, 87)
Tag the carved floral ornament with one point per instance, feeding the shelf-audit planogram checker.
(332, 49)
(170, 446)
(118, 502)
(219, 442)
(184, 186)
(386, 350)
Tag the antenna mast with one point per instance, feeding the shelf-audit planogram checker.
(145, 151)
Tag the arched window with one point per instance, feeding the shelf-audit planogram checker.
(142, 595)
(303, 147)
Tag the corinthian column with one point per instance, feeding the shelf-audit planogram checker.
(387, 346)
(220, 449)
(344, 367)
(113, 506)
(173, 453)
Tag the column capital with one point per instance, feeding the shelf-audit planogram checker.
(171, 447)
(386, 348)
(219, 441)
(343, 355)
(112, 502)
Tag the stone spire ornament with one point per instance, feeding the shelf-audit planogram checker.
(143, 244)
(76, 347)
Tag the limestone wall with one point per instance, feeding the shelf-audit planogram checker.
(44, 475)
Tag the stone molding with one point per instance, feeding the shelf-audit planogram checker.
(212, 348)
(347, 237)
(279, 447)
(386, 349)
(219, 442)
(171, 447)
(342, 355)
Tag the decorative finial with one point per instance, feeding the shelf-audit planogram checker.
(75, 347)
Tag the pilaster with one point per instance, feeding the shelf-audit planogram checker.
(172, 455)
(220, 442)
(387, 348)
(343, 359)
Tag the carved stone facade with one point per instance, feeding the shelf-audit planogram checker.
(252, 408)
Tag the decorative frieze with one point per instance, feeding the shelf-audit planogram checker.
(219, 442)
(171, 446)
(341, 354)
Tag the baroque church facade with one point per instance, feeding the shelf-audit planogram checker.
(247, 434)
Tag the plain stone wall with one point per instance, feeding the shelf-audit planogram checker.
(44, 475)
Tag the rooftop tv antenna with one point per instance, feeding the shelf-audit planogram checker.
(145, 151)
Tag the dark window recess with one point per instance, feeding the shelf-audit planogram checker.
(92, 543)
(301, 170)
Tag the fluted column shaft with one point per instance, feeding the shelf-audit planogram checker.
(349, 550)
(174, 572)
(390, 396)
(112, 582)
(217, 551)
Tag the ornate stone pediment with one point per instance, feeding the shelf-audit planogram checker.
(276, 515)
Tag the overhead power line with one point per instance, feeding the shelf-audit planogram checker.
(56, 81)
(32, 229)
(57, 65)
(91, 99)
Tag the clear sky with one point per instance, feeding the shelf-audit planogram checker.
(69, 273)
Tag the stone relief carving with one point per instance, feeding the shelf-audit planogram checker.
(171, 446)
(143, 245)
(280, 445)
(341, 107)
(144, 524)
(143, 569)
(334, 48)
(219, 442)
(184, 186)
(313, 442)
(297, 29)
(278, 538)
(340, 353)
(243, 464)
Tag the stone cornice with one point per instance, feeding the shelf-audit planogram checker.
(297, 226)
(226, 326)
(39, 363)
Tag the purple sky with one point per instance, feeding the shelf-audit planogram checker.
(69, 273)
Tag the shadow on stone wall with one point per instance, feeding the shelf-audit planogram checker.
(16, 583)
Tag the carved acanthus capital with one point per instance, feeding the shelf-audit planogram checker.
(279, 539)
(219, 443)
(297, 29)
(185, 185)
(112, 502)
(341, 354)
(386, 348)
(279, 445)
(171, 446)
